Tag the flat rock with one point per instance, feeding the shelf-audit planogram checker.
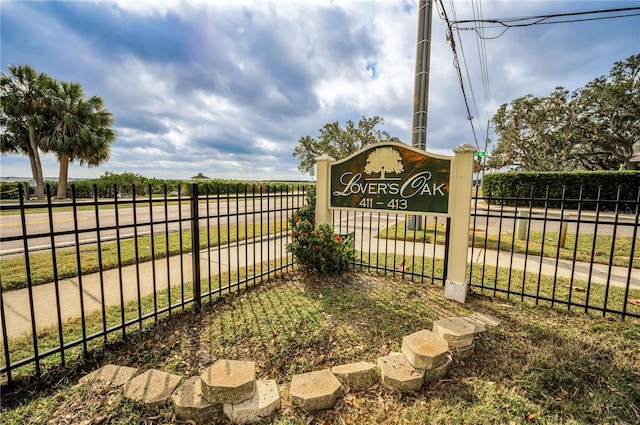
(439, 372)
(487, 319)
(265, 402)
(152, 387)
(110, 375)
(317, 390)
(478, 326)
(229, 381)
(463, 352)
(457, 331)
(398, 374)
(425, 349)
(358, 376)
(188, 402)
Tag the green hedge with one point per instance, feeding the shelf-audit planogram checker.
(9, 190)
(124, 184)
(225, 187)
(532, 187)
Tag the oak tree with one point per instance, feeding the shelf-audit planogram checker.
(339, 142)
(592, 128)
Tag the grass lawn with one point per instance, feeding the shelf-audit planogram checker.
(541, 365)
(13, 269)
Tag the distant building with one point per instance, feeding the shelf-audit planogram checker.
(200, 176)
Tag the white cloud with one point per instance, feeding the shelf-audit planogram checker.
(228, 87)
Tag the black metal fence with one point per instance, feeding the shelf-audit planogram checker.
(76, 274)
(575, 252)
(80, 273)
(397, 244)
(578, 252)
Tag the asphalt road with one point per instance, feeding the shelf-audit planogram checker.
(125, 223)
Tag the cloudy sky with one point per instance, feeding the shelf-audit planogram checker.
(226, 88)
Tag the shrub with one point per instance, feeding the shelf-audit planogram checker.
(9, 190)
(317, 247)
(546, 189)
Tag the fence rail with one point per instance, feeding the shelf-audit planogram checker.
(78, 274)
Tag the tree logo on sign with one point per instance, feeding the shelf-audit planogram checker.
(384, 160)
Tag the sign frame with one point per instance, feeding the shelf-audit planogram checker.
(418, 182)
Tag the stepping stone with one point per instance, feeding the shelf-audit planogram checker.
(463, 352)
(358, 376)
(398, 374)
(425, 350)
(313, 391)
(438, 372)
(153, 387)
(265, 402)
(229, 381)
(487, 319)
(188, 402)
(457, 331)
(110, 375)
(478, 326)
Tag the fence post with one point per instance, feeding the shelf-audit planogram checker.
(461, 181)
(195, 248)
(562, 234)
(323, 185)
(522, 223)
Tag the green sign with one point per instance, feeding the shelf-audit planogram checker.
(391, 177)
(480, 154)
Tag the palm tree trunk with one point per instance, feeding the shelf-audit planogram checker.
(63, 176)
(36, 166)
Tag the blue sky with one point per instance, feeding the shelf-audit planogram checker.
(226, 88)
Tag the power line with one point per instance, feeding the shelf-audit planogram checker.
(519, 22)
(468, 75)
(505, 24)
(456, 65)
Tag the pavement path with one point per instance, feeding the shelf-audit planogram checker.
(230, 257)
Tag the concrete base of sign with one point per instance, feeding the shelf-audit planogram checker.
(456, 291)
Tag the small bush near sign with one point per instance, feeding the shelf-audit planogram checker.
(318, 248)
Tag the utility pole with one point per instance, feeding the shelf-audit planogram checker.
(421, 82)
(421, 88)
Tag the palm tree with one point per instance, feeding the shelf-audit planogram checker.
(81, 130)
(24, 111)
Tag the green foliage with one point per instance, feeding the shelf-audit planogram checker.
(340, 142)
(595, 185)
(317, 247)
(225, 187)
(123, 184)
(320, 249)
(80, 130)
(592, 128)
(39, 113)
(25, 110)
(9, 190)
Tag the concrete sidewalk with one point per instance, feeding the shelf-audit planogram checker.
(218, 259)
(229, 257)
